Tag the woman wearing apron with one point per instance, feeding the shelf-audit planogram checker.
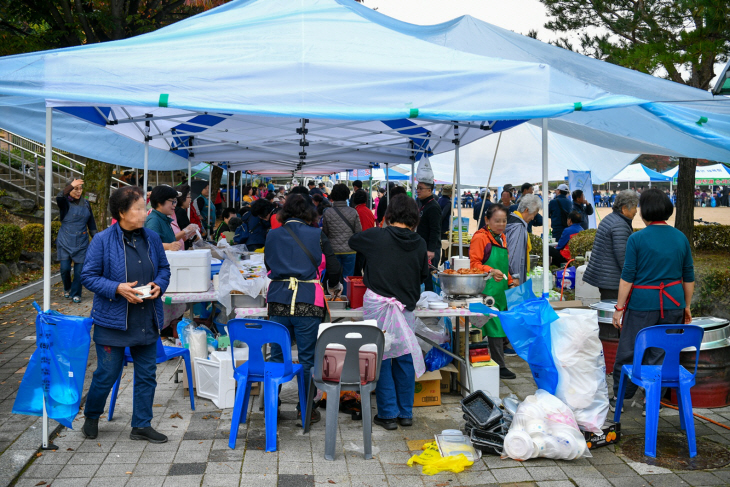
(77, 224)
(488, 253)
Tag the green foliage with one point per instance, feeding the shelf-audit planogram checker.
(712, 294)
(582, 242)
(55, 227)
(712, 237)
(33, 237)
(535, 243)
(10, 236)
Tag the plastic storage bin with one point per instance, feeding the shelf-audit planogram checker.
(569, 278)
(189, 271)
(214, 377)
(215, 267)
(355, 291)
(481, 410)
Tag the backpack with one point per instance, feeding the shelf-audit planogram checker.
(244, 232)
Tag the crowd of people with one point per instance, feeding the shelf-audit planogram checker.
(314, 237)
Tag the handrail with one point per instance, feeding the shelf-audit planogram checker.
(59, 154)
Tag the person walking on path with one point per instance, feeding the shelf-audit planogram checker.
(77, 225)
(120, 258)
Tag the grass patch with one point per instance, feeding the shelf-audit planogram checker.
(24, 278)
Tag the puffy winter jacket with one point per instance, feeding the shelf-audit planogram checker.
(105, 268)
(609, 249)
(339, 229)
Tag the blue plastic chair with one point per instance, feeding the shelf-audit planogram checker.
(256, 334)
(672, 339)
(164, 353)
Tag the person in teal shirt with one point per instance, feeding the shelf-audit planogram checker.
(657, 283)
(163, 199)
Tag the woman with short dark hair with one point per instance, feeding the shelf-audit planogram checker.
(120, 258)
(164, 201)
(395, 265)
(294, 256)
(657, 283)
(255, 225)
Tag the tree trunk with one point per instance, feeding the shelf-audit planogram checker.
(684, 219)
(97, 179)
(216, 174)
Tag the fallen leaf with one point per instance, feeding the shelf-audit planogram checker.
(176, 415)
(69, 449)
(443, 485)
(174, 426)
(99, 444)
(41, 483)
(128, 473)
(200, 443)
(331, 481)
(39, 454)
(155, 405)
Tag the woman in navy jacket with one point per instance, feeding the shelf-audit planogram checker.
(122, 257)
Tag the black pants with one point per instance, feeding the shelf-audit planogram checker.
(496, 350)
(556, 257)
(428, 283)
(359, 264)
(608, 293)
(634, 322)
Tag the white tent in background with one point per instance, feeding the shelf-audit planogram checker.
(638, 173)
(705, 175)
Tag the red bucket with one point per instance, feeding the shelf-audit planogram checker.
(355, 291)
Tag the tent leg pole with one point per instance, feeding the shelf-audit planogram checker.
(458, 193)
(413, 179)
(489, 181)
(545, 229)
(387, 184)
(146, 171)
(370, 196)
(210, 201)
(190, 184)
(47, 241)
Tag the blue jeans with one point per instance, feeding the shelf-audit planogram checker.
(396, 386)
(304, 330)
(109, 363)
(72, 287)
(347, 262)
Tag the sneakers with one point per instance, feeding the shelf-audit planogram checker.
(76, 299)
(509, 352)
(505, 373)
(389, 424)
(405, 422)
(612, 405)
(90, 429)
(148, 434)
(67, 294)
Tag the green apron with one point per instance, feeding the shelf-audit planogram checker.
(498, 260)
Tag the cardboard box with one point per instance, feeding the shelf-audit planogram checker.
(611, 434)
(567, 304)
(428, 390)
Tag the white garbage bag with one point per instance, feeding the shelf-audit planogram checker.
(424, 173)
(578, 355)
(545, 427)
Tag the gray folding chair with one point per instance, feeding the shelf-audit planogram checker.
(352, 337)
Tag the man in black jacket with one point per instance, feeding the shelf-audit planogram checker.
(429, 227)
(581, 205)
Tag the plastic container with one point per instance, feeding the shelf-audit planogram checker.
(215, 267)
(214, 378)
(189, 271)
(482, 411)
(491, 443)
(355, 291)
(569, 278)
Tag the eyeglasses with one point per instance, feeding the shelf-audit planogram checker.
(173, 201)
(421, 188)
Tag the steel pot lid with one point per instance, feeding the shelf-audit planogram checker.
(709, 322)
(607, 305)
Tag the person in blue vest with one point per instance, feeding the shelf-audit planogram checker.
(77, 225)
(121, 258)
(558, 211)
(295, 255)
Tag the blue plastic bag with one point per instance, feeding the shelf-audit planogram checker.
(527, 325)
(435, 358)
(57, 367)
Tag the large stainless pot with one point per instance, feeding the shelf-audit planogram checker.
(717, 333)
(462, 284)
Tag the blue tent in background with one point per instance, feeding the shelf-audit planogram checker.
(639, 173)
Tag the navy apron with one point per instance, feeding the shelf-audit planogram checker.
(73, 236)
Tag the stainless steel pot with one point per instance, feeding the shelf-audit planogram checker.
(462, 284)
(717, 333)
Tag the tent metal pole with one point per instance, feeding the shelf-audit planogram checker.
(157, 178)
(228, 193)
(370, 197)
(458, 191)
(146, 165)
(545, 229)
(452, 202)
(489, 181)
(387, 184)
(210, 201)
(240, 190)
(413, 179)
(47, 240)
(190, 185)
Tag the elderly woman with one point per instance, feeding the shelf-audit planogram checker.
(609, 246)
(340, 223)
(120, 258)
(518, 239)
(489, 253)
(77, 224)
(164, 201)
(395, 265)
(656, 283)
(294, 253)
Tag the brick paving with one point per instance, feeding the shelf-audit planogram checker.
(197, 453)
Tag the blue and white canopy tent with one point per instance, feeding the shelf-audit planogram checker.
(332, 85)
(639, 173)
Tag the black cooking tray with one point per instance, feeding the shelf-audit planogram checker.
(481, 410)
(491, 443)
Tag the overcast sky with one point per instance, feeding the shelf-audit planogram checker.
(517, 15)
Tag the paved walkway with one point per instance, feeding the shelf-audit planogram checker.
(198, 454)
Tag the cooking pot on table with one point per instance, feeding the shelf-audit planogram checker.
(462, 284)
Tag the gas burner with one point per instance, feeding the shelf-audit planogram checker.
(463, 301)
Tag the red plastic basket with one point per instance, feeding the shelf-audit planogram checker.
(355, 291)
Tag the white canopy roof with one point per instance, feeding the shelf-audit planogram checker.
(638, 173)
(706, 174)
